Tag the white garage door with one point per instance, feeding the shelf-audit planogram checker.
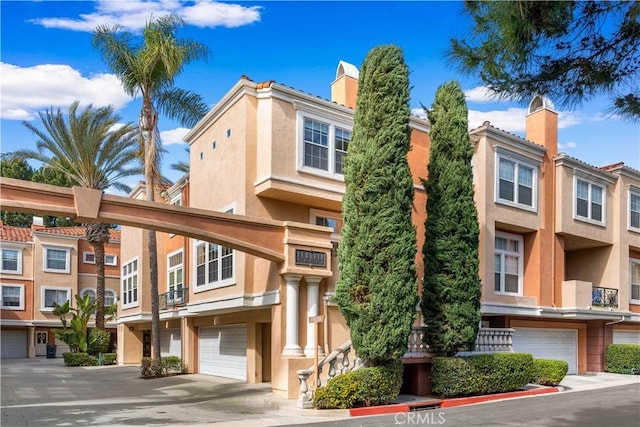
(222, 351)
(170, 343)
(626, 337)
(561, 344)
(14, 344)
(61, 348)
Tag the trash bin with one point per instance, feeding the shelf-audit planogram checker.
(51, 351)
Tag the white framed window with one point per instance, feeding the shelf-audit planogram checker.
(57, 259)
(110, 297)
(323, 144)
(12, 297)
(213, 265)
(516, 181)
(130, 284)
(90, 258)
(175, 275)
(11, 260)
(634, 274)
(589, 201)
(634, 210)
(52, 295)
(508, 265)
(332, 220)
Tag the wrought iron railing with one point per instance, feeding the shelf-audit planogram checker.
(604, 297)
(175, 298)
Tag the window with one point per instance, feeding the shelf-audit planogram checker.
(634, 210)
(516, 182)
(11, 261)
(508, 263)
(57, 260)
(13, 297)
(332, 220)
(90, 258)
(175, 280)
(325, 145)
(214, 265)
(54, 295)
(635, 281)
(130, 284)
(109, 296)
(589, 201)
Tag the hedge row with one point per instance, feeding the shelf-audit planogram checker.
(363, 387)
(84, 359)
(549, 371)
(623, 359)
(481, 374)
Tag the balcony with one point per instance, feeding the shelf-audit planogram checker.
(173, 299)
(604, 297)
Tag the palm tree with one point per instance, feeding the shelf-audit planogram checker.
(91, 150)
(148, 69)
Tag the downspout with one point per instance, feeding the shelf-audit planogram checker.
(553, 234)
(326, 325)
(615, 321)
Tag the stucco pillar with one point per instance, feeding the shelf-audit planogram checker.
(313, 286)
(291, 347)
(32, 342)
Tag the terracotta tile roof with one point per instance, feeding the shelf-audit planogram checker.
(114, 234)
(487, 124)
(613, 166)
(21, 234)
(15, 234)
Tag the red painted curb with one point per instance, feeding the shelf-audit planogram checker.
(451, 403)
(379, 410)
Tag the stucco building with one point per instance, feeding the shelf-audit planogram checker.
(40, 266)
(559, 241)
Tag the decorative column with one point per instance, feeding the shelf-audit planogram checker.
(313, 286)
(32, 340)
(291, 347)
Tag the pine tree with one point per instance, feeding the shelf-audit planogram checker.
(451, 287)
(377, 288)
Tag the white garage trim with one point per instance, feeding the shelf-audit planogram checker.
(170, 342)
(621, 336)
(222, 351)
(13, 344)
(542, 343)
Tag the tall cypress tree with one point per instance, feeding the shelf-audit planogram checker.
(377, 288)
(451, 287)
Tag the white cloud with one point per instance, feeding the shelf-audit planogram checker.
(511, 119)
(562, 146)
(480, 94)
(173, 136)
(26, 90)
(133, 15)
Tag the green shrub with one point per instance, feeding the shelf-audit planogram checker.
(172, 364)
(99, 341)
(162, 367)
(480, 374)
(549, 371)
(364, 387)
(79, 359)
(109, 358)
(623, 359)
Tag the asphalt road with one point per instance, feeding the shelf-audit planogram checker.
(614, 407)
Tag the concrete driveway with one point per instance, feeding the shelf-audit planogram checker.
(44, 392)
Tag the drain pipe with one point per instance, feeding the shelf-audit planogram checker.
(615, 321)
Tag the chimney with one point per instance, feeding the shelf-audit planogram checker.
(37, 223)
(344, 89)
(542, 124)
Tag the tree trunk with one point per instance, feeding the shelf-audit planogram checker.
(148, 123)
(97, 235)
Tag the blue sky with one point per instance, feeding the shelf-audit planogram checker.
(47, 60)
